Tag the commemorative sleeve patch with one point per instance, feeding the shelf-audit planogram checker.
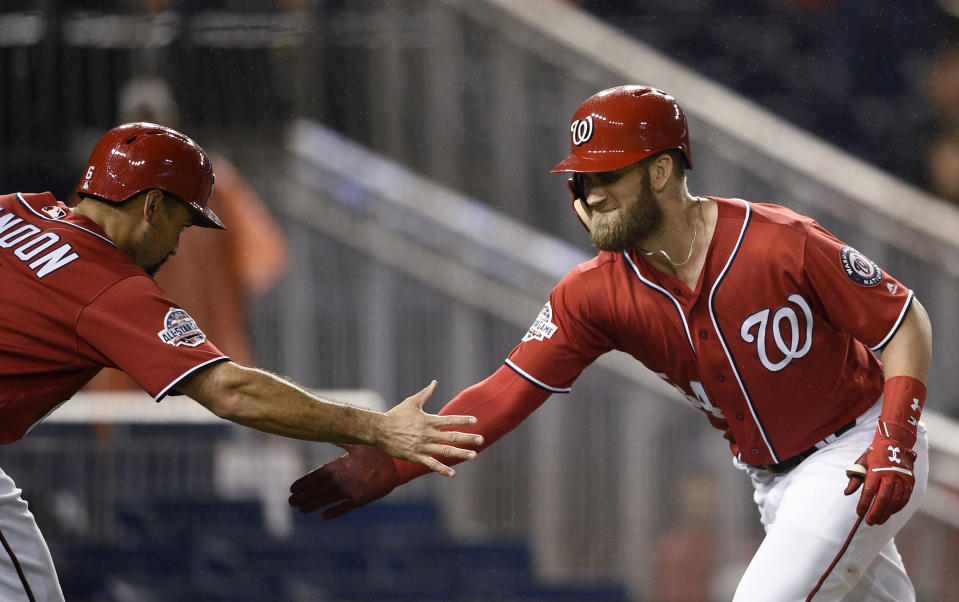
(543, 327)
(181, 329)
(860, 269)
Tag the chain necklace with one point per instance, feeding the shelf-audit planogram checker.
(692, 243)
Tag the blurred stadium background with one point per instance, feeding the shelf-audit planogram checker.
(403, 146)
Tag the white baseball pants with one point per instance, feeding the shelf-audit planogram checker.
(26, 568)
(812, 549)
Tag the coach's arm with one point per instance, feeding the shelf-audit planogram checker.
(263, 401)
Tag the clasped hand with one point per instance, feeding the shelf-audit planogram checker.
(365, 474)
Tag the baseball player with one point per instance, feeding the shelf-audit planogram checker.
(77, 295)
(761, 318)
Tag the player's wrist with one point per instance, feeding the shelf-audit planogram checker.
(901, 434)
(903, 399)
(376, 431)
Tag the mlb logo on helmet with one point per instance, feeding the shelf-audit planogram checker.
(87, 177)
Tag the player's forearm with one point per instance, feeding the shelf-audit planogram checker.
(263, 401)
(500, 403)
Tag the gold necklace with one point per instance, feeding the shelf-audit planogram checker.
(692, 243)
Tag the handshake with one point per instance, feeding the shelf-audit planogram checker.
(364, 474)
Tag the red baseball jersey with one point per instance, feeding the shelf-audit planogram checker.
(73, 303)
(776, 340)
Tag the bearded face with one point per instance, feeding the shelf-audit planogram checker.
(620, 223)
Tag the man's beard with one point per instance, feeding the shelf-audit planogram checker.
(634, 224)
(145, 241)
(153, 269)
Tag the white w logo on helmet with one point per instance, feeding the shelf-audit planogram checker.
(582, 130)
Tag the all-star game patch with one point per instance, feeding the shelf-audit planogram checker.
(860, 269)
(543, 327)
(181, 329)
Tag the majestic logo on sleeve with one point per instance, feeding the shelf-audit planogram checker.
(797, 340)
(181, 329)
(543, 327)
(582, 130)
(860, 269)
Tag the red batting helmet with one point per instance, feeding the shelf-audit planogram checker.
(620, 126)
(135, 157)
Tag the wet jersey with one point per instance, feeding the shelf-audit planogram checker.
(72, 303)
(776, 342)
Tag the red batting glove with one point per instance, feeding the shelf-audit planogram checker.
(356, 478)
(886, 468)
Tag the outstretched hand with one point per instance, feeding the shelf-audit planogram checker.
(413, 435)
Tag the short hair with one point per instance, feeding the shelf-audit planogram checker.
(680, 162)
(123, 205)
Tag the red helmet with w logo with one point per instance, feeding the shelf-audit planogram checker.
(620, 126)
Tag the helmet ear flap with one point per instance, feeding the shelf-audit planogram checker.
(579, 208)
(575, 185)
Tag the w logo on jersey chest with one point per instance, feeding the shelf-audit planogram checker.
(792, 338)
